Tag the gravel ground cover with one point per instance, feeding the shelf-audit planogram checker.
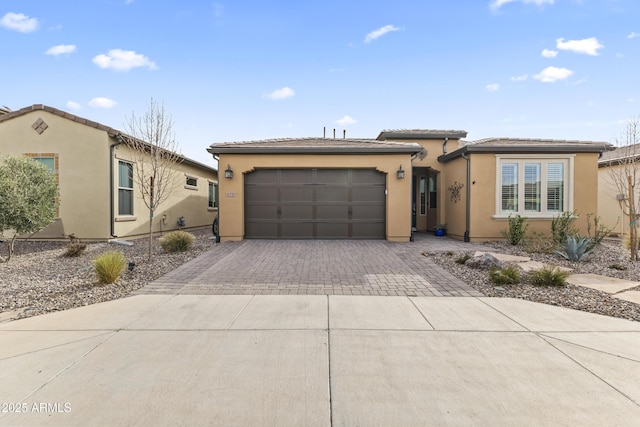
(609, 259)
(39, 279)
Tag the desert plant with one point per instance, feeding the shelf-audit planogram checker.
(177, 241)
(562, 227)
(517, 229)
(462, 258)
(548, 276)
(74, 249)
(504, 276)
(576, 248)
(600, 231)
(538, 243)
(109, 266)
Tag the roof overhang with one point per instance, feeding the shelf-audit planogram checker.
(420, 134)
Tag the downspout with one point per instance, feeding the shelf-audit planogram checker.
(468, 201)
(111, 184)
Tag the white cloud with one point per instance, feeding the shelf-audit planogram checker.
(283, 93)
(72, 105)
(19, 22)
(588, 46)
(497, 4)
(128, 2)
(520, 78)
(492, 87)
(380, 32)
(123, 60)
(61, 49)
(101, 102)
(346, 120)
(548, 53)
(633, 35)
(630, 100)
(553, 74)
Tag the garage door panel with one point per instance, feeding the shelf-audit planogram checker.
(315, 203)
(261, 230)
(332, 176)
(337, 212)
(261, 212)
(367, 212)
(296, 212)
(332, 230)
(367, 194)
(255, 194)
(332, 194)
(296, 194)
(296, 230)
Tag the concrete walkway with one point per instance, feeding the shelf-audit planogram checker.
(317, 360)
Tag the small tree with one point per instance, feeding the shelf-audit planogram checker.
(155, 153)
(624, 172)
(28, 197)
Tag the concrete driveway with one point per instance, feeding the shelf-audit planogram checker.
(318, 360)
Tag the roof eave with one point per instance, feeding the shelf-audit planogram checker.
(561, 149)
(382, 136)
(313, 150)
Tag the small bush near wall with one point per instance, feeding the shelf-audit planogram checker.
(177, 241)
(75, 249)
(562, 227)
(517, 229)
(109, 266)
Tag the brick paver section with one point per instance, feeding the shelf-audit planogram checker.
(317, 267)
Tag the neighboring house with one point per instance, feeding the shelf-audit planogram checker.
(94, 168)
(613, 191)
(403, 180)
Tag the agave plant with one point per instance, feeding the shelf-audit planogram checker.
(576, 248)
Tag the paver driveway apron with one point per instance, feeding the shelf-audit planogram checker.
(321, 267)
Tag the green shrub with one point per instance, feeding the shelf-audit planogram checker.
(517, 229)
(74, 249)
(576, 248)
(600, 231)
(504, 276)
(548, 276)
(562, 227)
(109, 266)
(177, 241)
(462, 258)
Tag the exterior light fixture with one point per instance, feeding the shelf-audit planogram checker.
(400, 173)
(228, 173)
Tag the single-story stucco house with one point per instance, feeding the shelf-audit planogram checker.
(613, 191)
(402, 181)
(94, 167)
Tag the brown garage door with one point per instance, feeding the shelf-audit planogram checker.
(315, 204)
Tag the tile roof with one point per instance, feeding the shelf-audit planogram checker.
(526, 145)
(621, 153)
(421, 134)
(109, 130)
(314, 145)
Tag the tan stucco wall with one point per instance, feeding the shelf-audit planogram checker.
(455, 219)
(83, 157)
(83, 163)
(398, 203)
(614, 213)
(189, 203)
(483, 224)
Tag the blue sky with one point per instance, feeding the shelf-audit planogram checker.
(241, 70)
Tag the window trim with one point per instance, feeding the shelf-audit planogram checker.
(130, 189)
(216, 191)
(544, 160)
(190, 186)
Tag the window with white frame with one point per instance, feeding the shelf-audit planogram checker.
(125, 188)
(533, 186)
(191, 182)
(213, 195)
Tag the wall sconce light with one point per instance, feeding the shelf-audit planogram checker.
(400, 173)
(228, 173)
